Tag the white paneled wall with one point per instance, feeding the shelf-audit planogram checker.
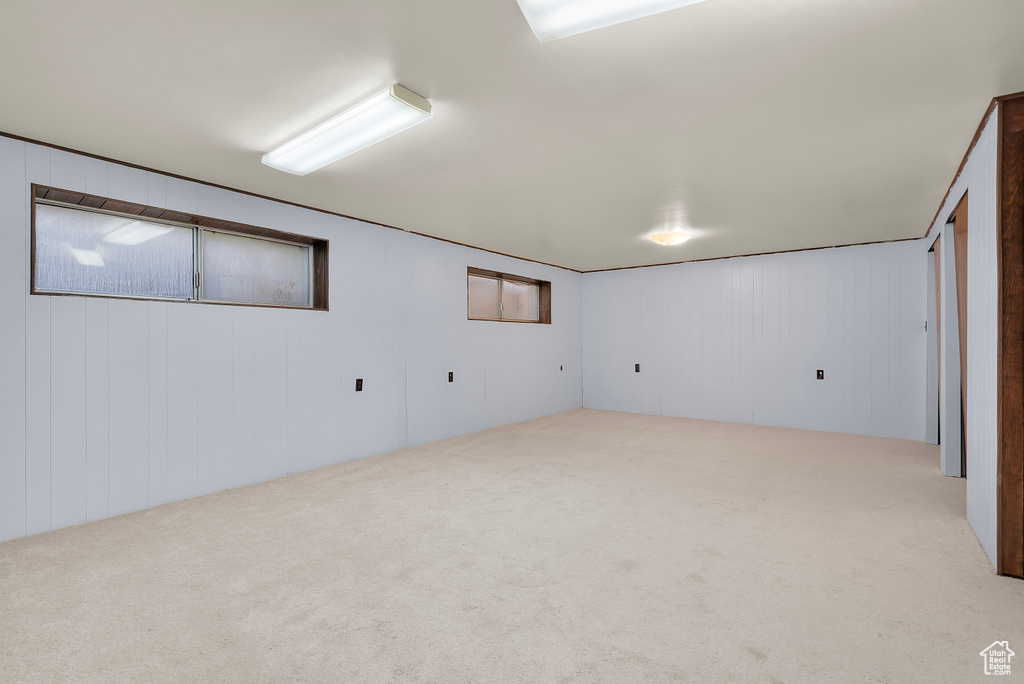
(109, 406)
(740, 340)
(979, 177)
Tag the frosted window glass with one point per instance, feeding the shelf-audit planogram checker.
(253, 271)
(520, 301)
(92, 253)
(483, 297)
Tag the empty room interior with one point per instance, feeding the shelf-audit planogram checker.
(512, 341)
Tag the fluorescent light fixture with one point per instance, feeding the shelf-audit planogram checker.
(554, 19)
(376, 118)
(134, 233)
(88, 257)
(669, 239)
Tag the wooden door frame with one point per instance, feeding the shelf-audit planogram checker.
(1010, 340)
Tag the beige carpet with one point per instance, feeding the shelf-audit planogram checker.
(585, 547)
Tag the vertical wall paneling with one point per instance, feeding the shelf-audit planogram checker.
(182, 401)
(912, 336)
(158, 403)
(743, 330)
(96, 177)
(278, 364)
(13, 286)
(692, 376)
(68, 455)
(757, 339)
(865, 330)
(243, 394)
(216, 413)
(314, 349)
(650, 382)
(37, 420)
(710, 325)
(396, 284)
(751, 333)
(126, 183)
(879, 340)
(851, 355)
(731, 350)
(785, 352)
(37, 376)
(67, 171)
(298, 455)
(896, 314)
(816, 337)
(261, 432)
(668, 340)
(97, 408)
(772, 346)
(181, 195)
(128, 367)
(794, 402)
(836, 350)
(156, 190)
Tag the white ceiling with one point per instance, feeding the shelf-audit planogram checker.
(763, 125)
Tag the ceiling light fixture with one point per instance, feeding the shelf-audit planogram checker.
(669, 239)
(134, 233)
(554, 19)
(376, 118)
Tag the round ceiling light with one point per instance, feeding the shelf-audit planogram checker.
(669, 239)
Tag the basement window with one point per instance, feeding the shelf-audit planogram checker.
(92, 246)
(494, 296)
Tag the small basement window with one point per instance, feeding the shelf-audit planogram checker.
(494, 296)
(92, 246)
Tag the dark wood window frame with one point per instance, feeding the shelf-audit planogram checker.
(545, 294)
(1010, 359)
(320, 247)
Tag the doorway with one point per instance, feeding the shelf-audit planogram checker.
(960, 227)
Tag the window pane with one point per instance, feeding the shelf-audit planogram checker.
(520, 301)
(483, 297)
(254, 271)
(87, 252)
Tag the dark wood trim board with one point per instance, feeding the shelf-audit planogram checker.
(1010, 359)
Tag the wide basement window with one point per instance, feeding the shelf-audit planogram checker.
(497, 296)
(89, 245)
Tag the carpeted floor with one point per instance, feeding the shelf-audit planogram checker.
(588, 546)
